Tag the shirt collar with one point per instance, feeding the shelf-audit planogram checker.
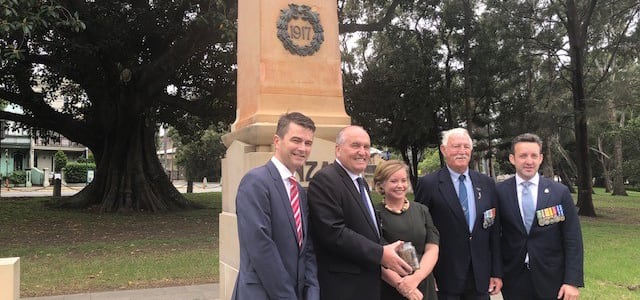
(352, 175)
(455, 175)
(534, 180)
(282, 170)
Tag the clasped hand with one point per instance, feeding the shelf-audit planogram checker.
(391, 260)
(408, 287)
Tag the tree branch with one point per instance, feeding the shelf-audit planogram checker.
(377, 26)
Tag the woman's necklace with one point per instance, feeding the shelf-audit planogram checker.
(404, 208)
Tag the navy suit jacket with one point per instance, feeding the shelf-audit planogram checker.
(272, 266)
(555, 251)
(347, 244)
(458, 247)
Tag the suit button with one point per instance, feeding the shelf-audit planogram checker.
(470, 237)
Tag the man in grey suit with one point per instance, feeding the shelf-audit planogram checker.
(541, 238)
(277, 260)
(344, 225)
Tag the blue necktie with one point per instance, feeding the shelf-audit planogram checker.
(367, 204)
(462, 196)
(528, 209)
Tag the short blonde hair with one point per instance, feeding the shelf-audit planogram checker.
(385, 170)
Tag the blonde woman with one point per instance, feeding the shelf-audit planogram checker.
(408, 221)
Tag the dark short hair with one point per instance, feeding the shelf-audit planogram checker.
(526, 138)
(295, 117)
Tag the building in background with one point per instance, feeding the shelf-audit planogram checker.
(19, 151)
(167, 154)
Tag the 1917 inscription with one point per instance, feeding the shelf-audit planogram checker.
(299, 30)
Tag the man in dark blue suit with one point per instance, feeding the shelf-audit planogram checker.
(541, 238)
(277, 260)
(463, 205)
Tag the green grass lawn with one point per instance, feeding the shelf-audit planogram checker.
(612, 248)
(66, 252)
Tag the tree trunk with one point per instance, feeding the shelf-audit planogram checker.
(469, 104)
(129, 176)
(412, 162)
(566, 181)
(189, 186)
(576, 29)
(618, 179)
(605, 166)
(547, 163)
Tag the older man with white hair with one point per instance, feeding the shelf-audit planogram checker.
(463, 205)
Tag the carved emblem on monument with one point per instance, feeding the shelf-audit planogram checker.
(299, 30)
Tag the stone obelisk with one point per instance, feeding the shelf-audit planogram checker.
(288, 60)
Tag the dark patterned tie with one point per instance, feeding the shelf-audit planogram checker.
(367, 203)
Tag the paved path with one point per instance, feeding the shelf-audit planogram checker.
(72, 189)
(192, 292)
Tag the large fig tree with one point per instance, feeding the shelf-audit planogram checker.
(108, 84)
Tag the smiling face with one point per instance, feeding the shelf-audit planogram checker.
(457, 152)
(293, 149)
(352, 149)
(395, 187)
(526, 158)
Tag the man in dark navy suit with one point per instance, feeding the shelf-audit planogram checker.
(542, 247)
(463, 205)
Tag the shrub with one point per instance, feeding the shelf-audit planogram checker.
(76, 172)
(59, 160)
(18, 177)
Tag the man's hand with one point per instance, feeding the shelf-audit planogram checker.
(495, 285)
(392, 261)
(568, 292)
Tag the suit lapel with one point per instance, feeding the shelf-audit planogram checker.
(543, 193)
(449, 194)
(283, 198)
(514, 207)
(355, 194)
(477, 197)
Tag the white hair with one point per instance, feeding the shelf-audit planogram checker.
(457, 132)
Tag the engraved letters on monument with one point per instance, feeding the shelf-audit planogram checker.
(299, 30)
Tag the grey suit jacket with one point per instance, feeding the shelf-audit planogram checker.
(272, 266)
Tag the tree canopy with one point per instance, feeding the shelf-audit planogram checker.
(108, 86)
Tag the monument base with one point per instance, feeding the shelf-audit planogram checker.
(239, 159)
(10, 278)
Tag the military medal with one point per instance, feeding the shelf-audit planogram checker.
(550, 215)
(489, 216)
(540, 217)
(561, 212)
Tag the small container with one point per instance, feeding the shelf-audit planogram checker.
(408, 253)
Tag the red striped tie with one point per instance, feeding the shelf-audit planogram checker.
(295, 206)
